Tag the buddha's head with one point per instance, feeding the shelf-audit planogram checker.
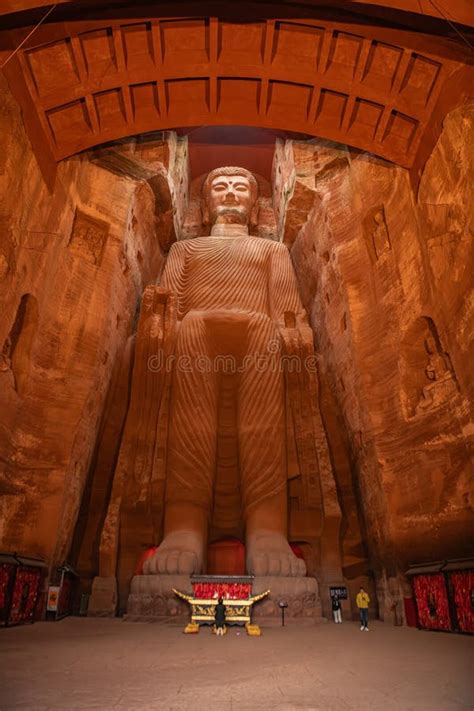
(230, 197)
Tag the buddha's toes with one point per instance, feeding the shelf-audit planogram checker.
(180, 553)
(270, 554)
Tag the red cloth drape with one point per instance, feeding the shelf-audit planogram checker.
(143, 558)
(410, 611)
(297, 550)
(432, 602)
(229, 591)
(25, 594)
(463, 588)
(6, 571)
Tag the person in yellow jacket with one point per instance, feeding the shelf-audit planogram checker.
(362, 602)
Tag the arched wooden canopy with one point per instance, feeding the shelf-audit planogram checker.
(459, 11)
(86, 78)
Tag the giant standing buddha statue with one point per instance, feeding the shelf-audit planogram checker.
(224, 407)
(233, 293)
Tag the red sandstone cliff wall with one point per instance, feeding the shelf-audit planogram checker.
(73, 264)
(387, 279)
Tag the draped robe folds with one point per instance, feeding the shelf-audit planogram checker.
(233, 295)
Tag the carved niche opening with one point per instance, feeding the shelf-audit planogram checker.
(428, 379)
(16, 351)
(376, 234)
(88, 237)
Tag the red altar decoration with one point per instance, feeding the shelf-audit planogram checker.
(463, 589)
(236, 592)
(226, 590)
(432, 602)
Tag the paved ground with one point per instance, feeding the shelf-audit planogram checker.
(110, 664)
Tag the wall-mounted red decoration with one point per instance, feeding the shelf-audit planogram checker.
(25, 594)
(463, 593)
(432, 602)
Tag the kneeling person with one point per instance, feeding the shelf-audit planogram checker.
(220, 618)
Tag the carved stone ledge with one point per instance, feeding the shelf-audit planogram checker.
(152, 598)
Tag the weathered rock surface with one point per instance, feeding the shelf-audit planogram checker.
(387, 280)
(73, 264)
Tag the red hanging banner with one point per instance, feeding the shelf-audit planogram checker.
(463, 588)
(25, 594)
(432, 602)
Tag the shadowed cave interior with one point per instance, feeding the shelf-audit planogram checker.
(370, 198)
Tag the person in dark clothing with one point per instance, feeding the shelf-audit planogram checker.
(220, 618)
(336, 609)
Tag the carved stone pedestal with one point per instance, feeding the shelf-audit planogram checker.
(103, 599)
(300, 594)
(152, 598)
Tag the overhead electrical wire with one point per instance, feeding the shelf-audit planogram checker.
(10, 56)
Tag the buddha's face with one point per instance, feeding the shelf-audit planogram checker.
(230, 200)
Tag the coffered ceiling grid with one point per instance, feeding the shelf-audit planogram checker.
(94, 82)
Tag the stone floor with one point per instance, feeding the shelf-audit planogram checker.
(110, 664)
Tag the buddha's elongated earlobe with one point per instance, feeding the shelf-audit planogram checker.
(253, 222)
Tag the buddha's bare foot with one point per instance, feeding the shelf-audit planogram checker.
(180, 553)
(268, 553)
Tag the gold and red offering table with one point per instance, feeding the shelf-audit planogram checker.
(236, 594)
